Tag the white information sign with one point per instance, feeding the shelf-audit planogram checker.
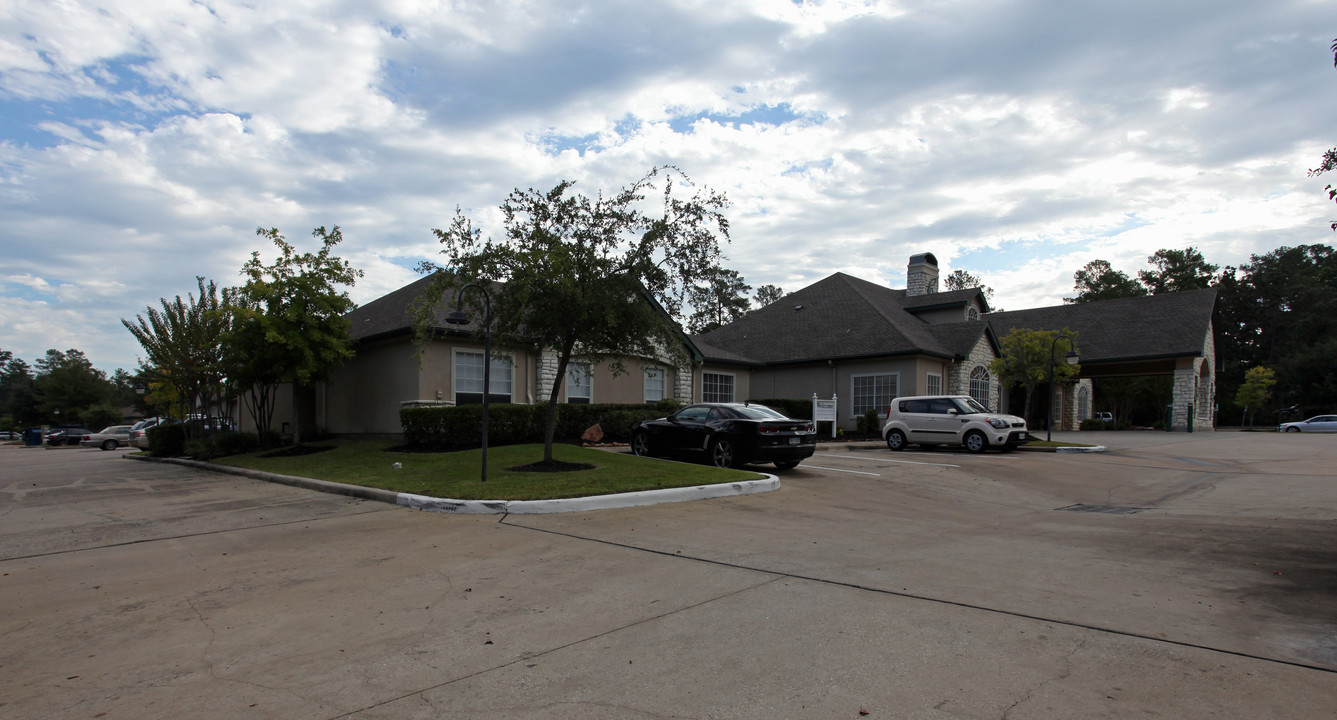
(824, 411)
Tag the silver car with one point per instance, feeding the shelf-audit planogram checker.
(1318, 423)
(111, 437)
(953, 420)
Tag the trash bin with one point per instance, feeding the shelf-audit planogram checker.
(32, 436)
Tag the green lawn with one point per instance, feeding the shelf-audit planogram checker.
(457, 475)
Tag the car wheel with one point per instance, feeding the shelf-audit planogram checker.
(976, 442)
(109, 444)
(896, 440)
(1292, 429)
(722, 453)
(786, 465)
(640, 443)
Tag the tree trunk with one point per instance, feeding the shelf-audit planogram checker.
(550, 424)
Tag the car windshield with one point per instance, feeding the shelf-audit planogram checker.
(760, 412)
(970, 405)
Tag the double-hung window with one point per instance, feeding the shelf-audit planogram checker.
(578, 386)
(717, 387)
(469, 378)
(654, 384)
(933, 384)
(872, 392)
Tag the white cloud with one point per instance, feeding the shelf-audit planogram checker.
(146, 142)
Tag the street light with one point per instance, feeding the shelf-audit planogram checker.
(1071, 358)
(459, 317)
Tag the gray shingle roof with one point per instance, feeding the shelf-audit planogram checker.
(1154, 326)
(840, 316)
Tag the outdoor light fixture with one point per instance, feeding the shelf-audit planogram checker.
(1070, 358)
(459, 317)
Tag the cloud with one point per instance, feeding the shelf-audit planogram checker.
(142, 145)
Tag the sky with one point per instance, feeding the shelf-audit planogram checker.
(142, 144)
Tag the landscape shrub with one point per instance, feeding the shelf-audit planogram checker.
(167, 440)
(869, 423)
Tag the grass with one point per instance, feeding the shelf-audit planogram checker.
(457, 475)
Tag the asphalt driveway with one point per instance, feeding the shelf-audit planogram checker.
(1176, 576)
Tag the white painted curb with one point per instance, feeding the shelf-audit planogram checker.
(1092, 449)
(594, 502)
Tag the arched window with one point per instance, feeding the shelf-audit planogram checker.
(1083, 404)
(980, 385)
(973, 313)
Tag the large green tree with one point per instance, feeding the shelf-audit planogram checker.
(572, 273)
(18, 399)
(717, 300)
(288, 323)
(1098, 280)
(1030, 356)
(182, 343)
(67, 386)
(1177, 271)
(767, 294)
(962, 280)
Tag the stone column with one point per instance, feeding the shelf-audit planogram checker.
(547, 373)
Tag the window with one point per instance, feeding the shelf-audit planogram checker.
(716, 387)
(973, 313)
(933, 385)
(980, 385)
(872, 392)
(469, 379)
(1083, 404)
(578, 387)
(654, 384)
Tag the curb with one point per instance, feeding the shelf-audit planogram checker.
(495, 507)
(1020, 448)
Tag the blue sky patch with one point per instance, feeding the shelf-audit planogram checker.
(761, 115)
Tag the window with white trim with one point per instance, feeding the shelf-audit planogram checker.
(654, 384)
(973, 313)
(579, 386)
(872, 392)
(1083, 404)
(933, 384)
(717, 387)
(981, 385)
(469, 378)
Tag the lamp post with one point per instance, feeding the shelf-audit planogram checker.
(1071, 358)
(459, 317)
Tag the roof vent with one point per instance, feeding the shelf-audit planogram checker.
(797, 308)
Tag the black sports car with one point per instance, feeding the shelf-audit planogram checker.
(728, 434)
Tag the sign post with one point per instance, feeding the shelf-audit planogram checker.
(824, 411)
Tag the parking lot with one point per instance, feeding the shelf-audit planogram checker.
(1176, 576)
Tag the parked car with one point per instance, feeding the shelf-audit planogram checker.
(727, 434)
(951, 420)
(110, 438)
(1318, 423)
(66, 435)
(1104, 417)
(139, 432)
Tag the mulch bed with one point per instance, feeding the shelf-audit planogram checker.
(551, 467)
(298, 451)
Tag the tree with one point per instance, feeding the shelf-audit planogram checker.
(962, 280)
(182, 344)
(1097, 280)
(288, 323)
(1257, 388)
(719, 300)
(1177, 271)
(1329, 161)
(573, 272)
(767, 294)
(18, 399)
(1027, 359)
(67, 385)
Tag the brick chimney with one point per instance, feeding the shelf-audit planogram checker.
(921, 277)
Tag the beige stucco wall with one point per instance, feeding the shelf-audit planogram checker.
(363, 395)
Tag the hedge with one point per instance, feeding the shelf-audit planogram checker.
(457, 428)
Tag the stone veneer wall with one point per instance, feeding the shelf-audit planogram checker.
(958, 380)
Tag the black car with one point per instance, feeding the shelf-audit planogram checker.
(66, 435)
(727, 434)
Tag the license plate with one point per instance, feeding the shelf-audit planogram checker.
(793, 441)
(1021, 436)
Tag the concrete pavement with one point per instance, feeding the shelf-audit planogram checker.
(914, 585)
